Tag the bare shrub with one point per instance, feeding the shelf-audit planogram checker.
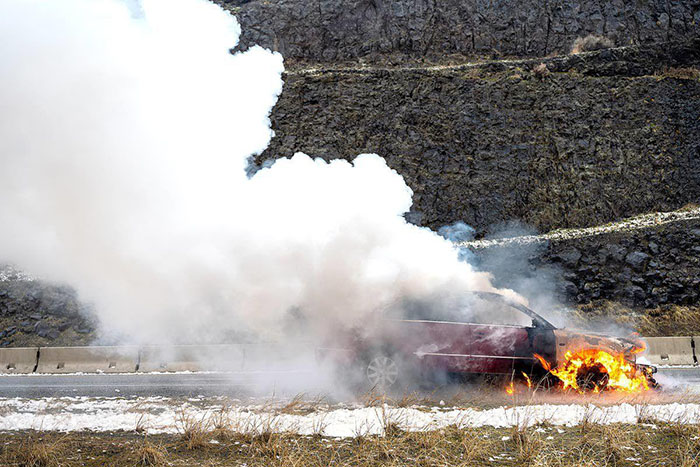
(591, 42)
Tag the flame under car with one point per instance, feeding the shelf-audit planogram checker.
(475, 334)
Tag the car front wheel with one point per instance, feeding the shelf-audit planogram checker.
(382, 372)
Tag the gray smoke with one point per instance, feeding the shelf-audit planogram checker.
(126, 131)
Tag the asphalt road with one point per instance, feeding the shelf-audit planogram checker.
(202, 384)
(144, 384)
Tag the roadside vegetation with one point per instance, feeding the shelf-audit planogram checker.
(583, 445)
(666, 320)
(591, 42)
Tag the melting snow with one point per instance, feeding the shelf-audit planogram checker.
(159, 415)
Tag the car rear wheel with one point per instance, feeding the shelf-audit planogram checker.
(382, 372)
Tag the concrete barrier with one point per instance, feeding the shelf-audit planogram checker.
(221, 357)
(272, 356)
(234, 357)
(103, 359)
(671, 350)
(18, 360)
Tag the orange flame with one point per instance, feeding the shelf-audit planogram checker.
(545, 364)
(510, 389)
(596, 370)
(527, 380)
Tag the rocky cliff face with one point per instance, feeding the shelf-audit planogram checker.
(36, 313)
(589, 139)
(333, 30)
(649, 267)
(599, 138)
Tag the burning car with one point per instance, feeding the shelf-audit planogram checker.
(487, 334)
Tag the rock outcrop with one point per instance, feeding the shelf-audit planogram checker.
(335, 30)
(33, 312)
(643, 268)
(605, 135)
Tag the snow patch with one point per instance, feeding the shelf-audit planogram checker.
(159, 415)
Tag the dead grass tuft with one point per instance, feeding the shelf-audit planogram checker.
(372, 399)
(149, 454)
(407, 400)
(294, 405)
(221, 424)
(541, 71)
(37, 451)
(194, 432)
(591, 42)
(527, 444)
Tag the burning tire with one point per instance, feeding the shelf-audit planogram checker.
(592, 378)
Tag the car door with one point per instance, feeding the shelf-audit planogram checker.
(496, 348)
(436, 345)
(500, 337)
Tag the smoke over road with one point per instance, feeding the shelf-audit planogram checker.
(126, 131)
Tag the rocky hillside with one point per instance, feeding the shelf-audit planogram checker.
(334, 30)
(532, 142)
(639, 264)
(596, 138)
(33, 312)
(491, 122)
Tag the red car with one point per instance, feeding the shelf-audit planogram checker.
(477, 333)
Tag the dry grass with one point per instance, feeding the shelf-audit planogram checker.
(372, 399)
(37, 451)
(672, 444)
(690, 73)
(149, 454)
(194, 432)
(222, 425)
(591, 42)
(300, 404)
(294, 405)
(527, 444)
(690, 206)
(671, 320)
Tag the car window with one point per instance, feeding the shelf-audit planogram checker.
(484, 311)
(461, 309)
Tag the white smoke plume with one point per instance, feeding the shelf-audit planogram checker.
(125, 134)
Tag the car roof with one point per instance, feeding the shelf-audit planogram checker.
(493, 296)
